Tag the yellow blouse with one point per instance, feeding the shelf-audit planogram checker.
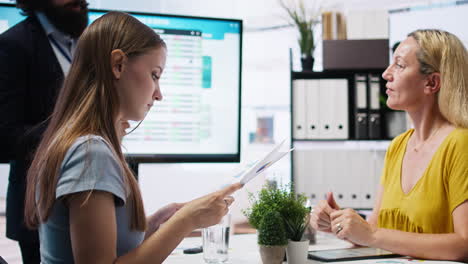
(427, 208)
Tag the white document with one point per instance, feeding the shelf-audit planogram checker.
(256, 168)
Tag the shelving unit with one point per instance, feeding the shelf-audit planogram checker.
(370, 145)
(347, 166)
(348, 75)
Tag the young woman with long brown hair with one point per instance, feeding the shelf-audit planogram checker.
(80, 193)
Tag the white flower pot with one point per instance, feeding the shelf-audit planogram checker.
(296, 251)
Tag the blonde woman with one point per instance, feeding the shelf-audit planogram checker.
(80, 193)
(421, 208)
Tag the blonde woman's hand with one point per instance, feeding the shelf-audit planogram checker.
(348, 225)
(320, 215)
(209, 209)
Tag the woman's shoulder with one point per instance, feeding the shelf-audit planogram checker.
(90, 164)
(460, 134)
(88, 144)
(458, 138)
(91, 140)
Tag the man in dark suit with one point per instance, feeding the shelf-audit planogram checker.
(35, 55)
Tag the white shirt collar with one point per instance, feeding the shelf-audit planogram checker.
(50, 29)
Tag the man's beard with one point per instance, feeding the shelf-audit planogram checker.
(69, 21)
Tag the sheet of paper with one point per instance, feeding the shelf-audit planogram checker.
(254, 169)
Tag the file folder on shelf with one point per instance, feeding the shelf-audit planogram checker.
(339, 104)
(320, 109)
(326, 109)
(360, 107)
(375, 120)
(299, 109)
(333, 109)
(313, 109)
(309, 175)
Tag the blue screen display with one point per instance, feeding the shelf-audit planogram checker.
(199, 117)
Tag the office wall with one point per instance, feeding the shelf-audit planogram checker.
(449, 17)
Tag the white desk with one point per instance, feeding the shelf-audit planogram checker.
(243, 249)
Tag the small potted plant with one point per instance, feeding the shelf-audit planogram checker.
(305, 20)
(272, 238)
(296, 219)
(264, 210)
(293, 218)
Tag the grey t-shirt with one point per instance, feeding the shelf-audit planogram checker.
(89, 164)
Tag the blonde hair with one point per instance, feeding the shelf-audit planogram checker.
(443, 52)
(89, 104)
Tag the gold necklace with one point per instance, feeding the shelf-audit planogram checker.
(417, 148)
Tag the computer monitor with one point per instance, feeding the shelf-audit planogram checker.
(9, 16)
(199, 117)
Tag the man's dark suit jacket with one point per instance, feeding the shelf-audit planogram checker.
(30, 78)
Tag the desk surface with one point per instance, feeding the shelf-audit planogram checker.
(243, 249)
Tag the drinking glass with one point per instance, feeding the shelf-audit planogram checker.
(216, 241)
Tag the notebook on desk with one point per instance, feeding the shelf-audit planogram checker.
(349, 254)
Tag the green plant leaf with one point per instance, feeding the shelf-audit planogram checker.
(271, 231)
(283, 200)
(305, 21)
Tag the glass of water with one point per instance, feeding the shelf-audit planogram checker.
(216, 241)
